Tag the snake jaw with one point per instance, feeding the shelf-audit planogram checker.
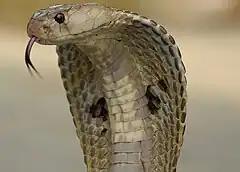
(28, 62)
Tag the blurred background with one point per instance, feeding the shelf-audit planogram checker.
(36, 129)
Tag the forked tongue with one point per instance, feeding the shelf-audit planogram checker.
(27, 56)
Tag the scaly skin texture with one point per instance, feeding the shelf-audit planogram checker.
(125, 83)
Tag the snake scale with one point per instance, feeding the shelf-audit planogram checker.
(125, 83)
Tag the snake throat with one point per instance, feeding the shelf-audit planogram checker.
(28, 61)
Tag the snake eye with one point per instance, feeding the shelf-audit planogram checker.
(60, 18)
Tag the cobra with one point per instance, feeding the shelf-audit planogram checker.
(125, 82)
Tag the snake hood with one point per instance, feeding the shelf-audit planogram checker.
(125, 83)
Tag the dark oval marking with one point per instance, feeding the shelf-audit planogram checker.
(101, 101)
(163, 30)
(177, 138)
(144, 17)
(183, 117)
(184, 129)
(74, 122)
(181, 90)
(172, 39)
(183, 104)
(179, 52)
(134, 13)
(183, 66)
(176, 100)
(153, 22)
(104, 131)
(180, 77)
(126, 11)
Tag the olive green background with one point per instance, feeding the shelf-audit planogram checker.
(36, 129)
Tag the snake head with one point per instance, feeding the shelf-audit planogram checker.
(60, 24)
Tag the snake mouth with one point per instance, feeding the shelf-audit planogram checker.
(28, 61)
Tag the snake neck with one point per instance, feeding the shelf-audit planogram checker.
(128, 113)
(105, 54)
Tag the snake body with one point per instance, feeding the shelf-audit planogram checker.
(125, 83)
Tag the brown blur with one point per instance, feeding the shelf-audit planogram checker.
(36, 129)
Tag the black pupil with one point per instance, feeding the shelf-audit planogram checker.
(59, 18)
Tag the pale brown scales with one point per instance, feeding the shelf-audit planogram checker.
(80, 84)
(173, 68)
(159, 69)
(157, 73)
